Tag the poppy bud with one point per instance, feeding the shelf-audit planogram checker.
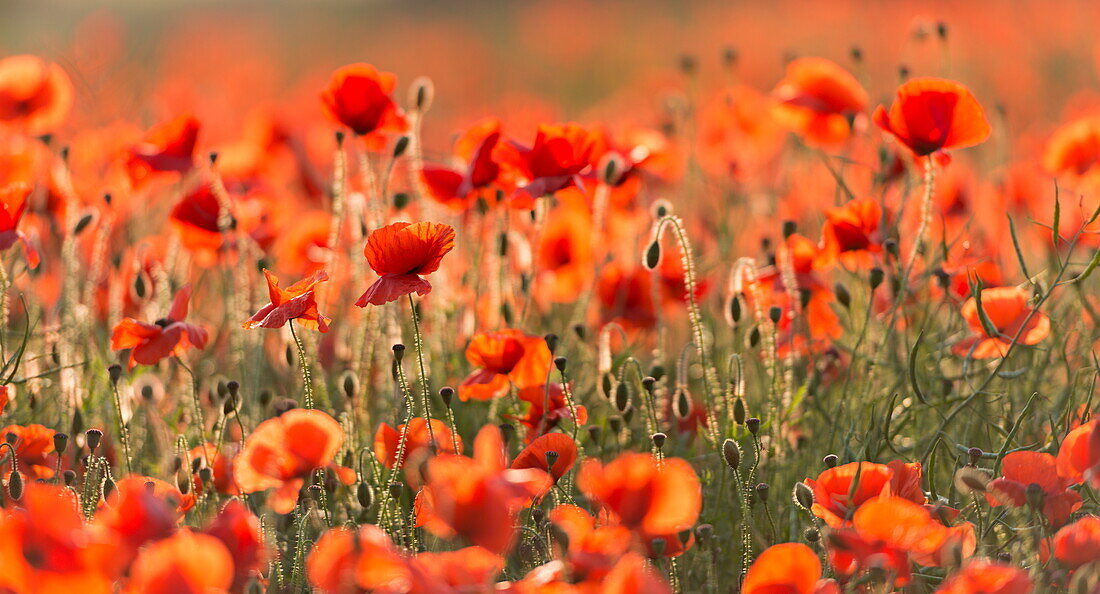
(607, 386)
(422, 93)
(775, 313)
(622, 396)
(842, 295)
(206, 475)
(580, 331)
(400, 146)
(729, 57)
(941, 30)
(661, 208)
(943, 280)
(975, 454)
(753, 425)
(502, 244)
(683, 403)
(731, 453)
(551, 342)
(616, 424)
(69, 476)
(400, 200)
(659, 439)
(212, 157)
(789, 228)
(447, 393)
(265, 397)
(15, 485)
(657, 545)
(339, 138)
(107, 198)
(812, 535)
(804, 296)
(739, 411)
(856, 53)
(288, 354)
(92, 438)
(10, 438)
(229, 405)
(398, 352)
(538, 515)
(762, 490)
(754, 337)
(892, 248)
(704, 532)
(688, 64)
(560, 362)
(395, 490)
(734, 310)
(364, 493)
(628, 414)
(82, 224)
(350, 385)
(184, 484)
(611, 170)
(653, 255)
(830, 460)
(876, 277)
(114, 372)
(139, 286)
(803, 495)
(60, 442)
(903, 73)
(108, 486)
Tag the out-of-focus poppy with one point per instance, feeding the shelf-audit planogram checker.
(1022, 470)
(166, 147)
(198, 220)
(220, 463)
(504, 358)
(1078, 543)
(387, 440)
(184, 563)
(560, 153)
(788, 568)
(931, 115)
(459, 188)
(625, 296)
(593, 551)
(817, 98)
(982, 576)
(1008, 315)
(358, 96)
(169, 336)
(296, 302)
(564, 256)
(13, 202)
(283, 452)
(34, 449)
(400, 253)
(1079, 454)
(543, 413)
(657, 498)
(135, 515)
(239, 530)
(1074, 149)
(479, 498)
(35, 95)
(853, 232)
(554, 453)
(839, 491)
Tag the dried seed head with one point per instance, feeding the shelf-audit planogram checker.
(93, 437)
(753, 425)
(398, 352)
(560, 362)
(649, 383)
(731, 453)
(60, 442)
(830, 460)
(659, 439)
(975, 455)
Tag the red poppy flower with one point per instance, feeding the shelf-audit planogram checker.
(185, 563)
(788, 568)
(1023, 469)
(34, 94)
(400, 253)
(560, 153)
(1006, 309)
(283, 452)
(13, 202)
(1079, 454)
(1078, 543)
(626, 296)
(542, 414)
(358, 96)
(835, 500)
(657, 498)
(417, 440)
(296, 302)
(506, 357)
(239, 530)
(169, 336)
(816, 99)
(135, 515)
(981, 576)
(34, 449)
(593, 551)
(197, 218)
(221, 464)
(852, 232)
(1074, 149)
(166, 147)
(558, 446)
(459, 188)
(934, 114)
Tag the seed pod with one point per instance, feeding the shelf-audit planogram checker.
(400, 146)
(659, 439)
(400, 200)
(398, 352)
(739, 412)
(762, 490)
(753, 425)
(731, 453)
(842, 295)
(69, 476)
(447, 393)
(653, 255)
(92, 437)
(622, 396)
(364, 493)
(803, 495)
(560, 362)
(830, 460)
(350, 385)
(551, 342)
(975, 454)
(114, 372)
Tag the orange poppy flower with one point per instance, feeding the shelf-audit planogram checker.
(1023, 469)
(358, 96)
(221, 465)
(788, 568)
(45, 545)
(281, 453)
(35, 95)
(1007, 310)
(400, 253)
(458, 189)
(296, 302)
(542, 414)
(853, 233)
(135, 515)
(13, 202)
(1079, 454)
(197, 220)
(169, 336)
(239, 530)
(1074, 149)
(1078, 543)
(593, 551)
(166, 147)
(184, 563)
(34, 449)
(626, 296)
(834, 498)
(932, 115)
(657, 498)
(417, 440)
(905, 482)
(564, 256)
(554, 162)
(5, 397)
(503, 358)
(478, 499)
(816, 99)
(559, 446)
(981, 576)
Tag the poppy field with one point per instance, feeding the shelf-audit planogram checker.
(788, 298)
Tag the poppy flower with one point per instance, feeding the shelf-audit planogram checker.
(1074, 149)
(13, 203)
(400, 253)
(554, 162)
(359, 97)
(905, 482)
(788, 568)
(35, 95)
(657, 498)
(135, 515)
(169, 336)
(837, 494)
(625, 296)
(504, 358)
(184, 563)
(1079, 454)
(220, 463)
(477, 498)
(931, 115)
(556, 446)
(345, 562)
(281, 453)
(1078, 543)
(981, 576)
(296, 302)
(593, 551)
(1009, 315)
(417, 440)
(565, 254)
(1022, 470)
(458, 188)
(853, 233)
(816, 99)
(166, 147)
(34, 449)
(5, 397)
(197, 219)
(543, 415)
(239, 530)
